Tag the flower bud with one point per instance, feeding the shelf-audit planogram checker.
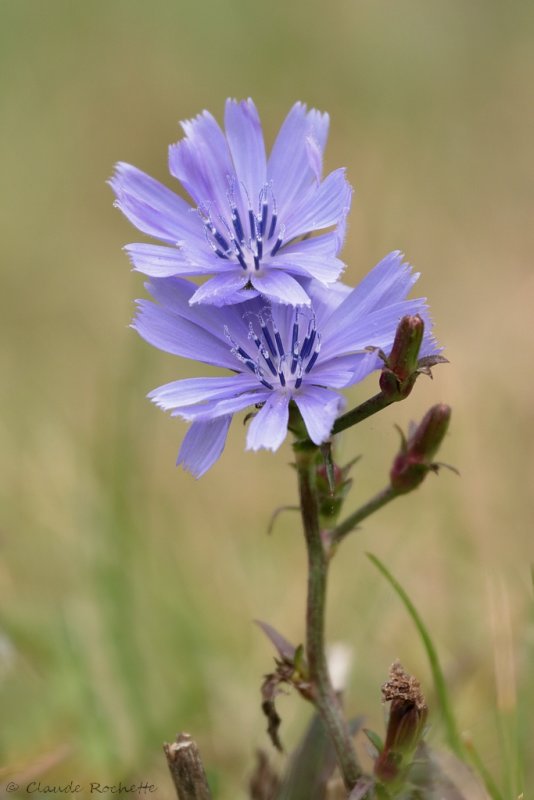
(401, 366)
(407, 718)
(414, 460)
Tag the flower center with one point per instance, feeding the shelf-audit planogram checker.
(278, 364)
(247, 239)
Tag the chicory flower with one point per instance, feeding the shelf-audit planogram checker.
(276, 354)
(249, 213)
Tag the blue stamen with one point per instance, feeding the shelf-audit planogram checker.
(316, 352)
(272, 225)
(252, 223)
(219, 238)
(311, 362)
(308, 344)
(282, 378)
(263, 219)
(238, 227)
(295, 335)
(239, 254)
(245, 358)
(277, 246)
(279, 344)
(268, 361)
(263, 350)
(294, 344)
(267, 336)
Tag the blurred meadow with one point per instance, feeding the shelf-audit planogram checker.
(128, 588)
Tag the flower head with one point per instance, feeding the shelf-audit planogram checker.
(277, 354)
(249, 212)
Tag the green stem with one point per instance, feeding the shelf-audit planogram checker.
(358, 414)
(325, 698)
(376, 502)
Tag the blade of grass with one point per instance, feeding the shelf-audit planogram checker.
(476, 759)
(453, 736)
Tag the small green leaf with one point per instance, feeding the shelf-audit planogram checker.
(375, 740)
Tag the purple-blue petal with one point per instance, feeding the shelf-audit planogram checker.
(281, 288)
(174, 294)
(169, 332)
(376, 329)
(159, 261)
(336, 372)
(212, 409)
(223, 289)
(321, 207)
(201, 161)
(247, 147)
(191, 391)
(153, 208)
(388, 282)
(203, 444)
(289, 166)
(319, 408)
(268, 429)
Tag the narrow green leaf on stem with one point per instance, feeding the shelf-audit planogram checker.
(453, 736)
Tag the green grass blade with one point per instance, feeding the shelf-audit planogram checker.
(453, 736)
(476, 759)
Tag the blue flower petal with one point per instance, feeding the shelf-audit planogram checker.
(376, 329)
(203, 444)
(321, 207)
(211, 409)
(388, 282)
(290, 167)
(245, 139)
(319, 408)
(315, 257)
(281, 287)
(268, 429)
(169, 332)
(223, 289)
(162, 262)
(202, 161)
(153, 208)
(337, 372)
(189, 391)
(175, 294)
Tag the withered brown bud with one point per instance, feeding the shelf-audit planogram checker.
(407, 717)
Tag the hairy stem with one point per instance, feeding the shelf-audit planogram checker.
(325, 698)
(361, 412)
(376, 502)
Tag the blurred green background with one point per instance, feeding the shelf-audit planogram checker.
(127, 588)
